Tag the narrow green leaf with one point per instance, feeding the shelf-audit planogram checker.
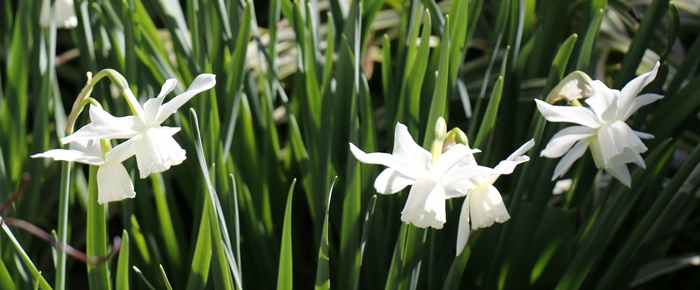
(143, 278)
(609, 220)
(459, 12)
(558, 67)
(663, 267)
(489, 120)
(96, 240)
(394, 277)
(323, 271)
(35, 274)
(234, 82)
(438, 105)
(122, 280)
(165, 278)
(366, 227)
(285, 272)
(436, 16)
(651, 217)
(414, 80)
(139, 240)
(201, 257)
(454, 275)
(584, 56)
(675, 109)
(388, 79)
(225, 265)
(6, 277)
(682, 72)
(62, 232)
(165, 222)
(652, 18)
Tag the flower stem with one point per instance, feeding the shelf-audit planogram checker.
(63, 206)
(96, 241)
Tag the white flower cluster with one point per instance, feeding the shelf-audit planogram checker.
(435, 176)
(451, 174)
(155, 148)
(601, 127)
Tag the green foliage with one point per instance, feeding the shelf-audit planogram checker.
(300, 80)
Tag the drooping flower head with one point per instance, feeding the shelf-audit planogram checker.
(484, 204)
(113, 182)
(601, 127)
(155, 148)
(431, 181)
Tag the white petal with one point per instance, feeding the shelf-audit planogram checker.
(577, 115)
(574, 154)
(105, 126)
(602, 99)
(89, 147)
(632, 89)
(639, 102)
(562, 186)
(65, 14)
(450, 158)
(459, 181)
(425, 206)
(486, 207)
(201, 83)
(122, 151)
(70, 155)
(522, 150)
(464, 229)
(640, 162)
(643, 135)
(391, 181)
(113, 183)
(562, 141)
(156, 151)
(596, 150)
(407, 152)
(621, 173)
(152, 106)
(385, 159)
(507, 166)
(619, 144)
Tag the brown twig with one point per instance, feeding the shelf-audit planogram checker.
(70, 251)
(39, 233)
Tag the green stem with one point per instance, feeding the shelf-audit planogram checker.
(63, 202)
(96, 241)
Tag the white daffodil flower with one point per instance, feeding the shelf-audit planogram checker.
(155, 148)
(65, 14)
(113, 182)
(602, 128)
(484, 204)
(431, 182)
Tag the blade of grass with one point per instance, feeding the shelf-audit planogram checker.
(367, 226)
(633, 243)
(323, 271)
(222, 255)
(438, 104)
(62, 232)
(96, 240)
(285, 273)
(652, 19)
(35, 274)
(143, 278)
(165, 278)
(584, 56)
(122, 280)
